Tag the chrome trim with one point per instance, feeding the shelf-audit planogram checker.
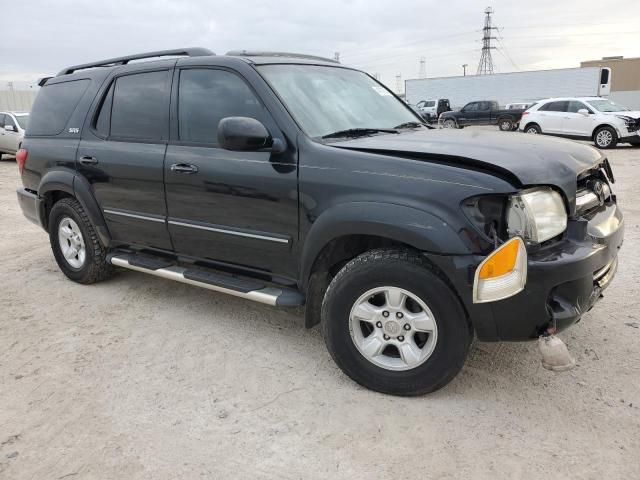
(604, 276)
(133, 215)
(587, 199)
(267, 295)
(230, 232)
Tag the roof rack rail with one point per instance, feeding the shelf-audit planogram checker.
(189, 52)
(254, 53)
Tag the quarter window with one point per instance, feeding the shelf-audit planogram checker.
(205, 97)
(54, 105)
(139, 107)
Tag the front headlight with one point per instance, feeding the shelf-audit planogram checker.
(536, 215)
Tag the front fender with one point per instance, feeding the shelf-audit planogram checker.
(419, 229)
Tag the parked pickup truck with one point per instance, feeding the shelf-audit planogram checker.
(486, 112)
(404, 242)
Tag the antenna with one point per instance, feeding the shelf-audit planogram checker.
(485, 67)
(423, 68)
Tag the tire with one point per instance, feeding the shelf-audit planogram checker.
(68, 216)
(444, 349)
(505, 124)
(450, 123)
(605, 138)
(533, 129)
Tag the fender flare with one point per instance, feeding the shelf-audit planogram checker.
(417, 228)
(66, 180)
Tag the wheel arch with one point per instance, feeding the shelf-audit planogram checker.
(348, 230)
(601, 125)
(63, 183)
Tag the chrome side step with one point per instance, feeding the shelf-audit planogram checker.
(210, 280)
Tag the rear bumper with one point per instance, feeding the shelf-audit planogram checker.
(564, 281)
(31, 206)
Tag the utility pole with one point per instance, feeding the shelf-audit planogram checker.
(376, 76)
(399, 83)
(464, 69)
(423, 68)
(336, 57)
(485, 67)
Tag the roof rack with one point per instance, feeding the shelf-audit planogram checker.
(189, 52)
(254, 53)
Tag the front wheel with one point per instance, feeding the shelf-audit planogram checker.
(505, 124)
(449, 123)
(605, 137)
(393, 325)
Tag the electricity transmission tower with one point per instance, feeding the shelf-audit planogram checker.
(423, 68)
(485, 67)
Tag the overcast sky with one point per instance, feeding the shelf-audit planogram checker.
(381, 36)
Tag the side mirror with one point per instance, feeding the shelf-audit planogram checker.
(584, 111)
(246, 134)
(9, 128)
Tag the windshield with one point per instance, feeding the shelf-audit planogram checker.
(324, 100)
(23, 120)
(607, 106)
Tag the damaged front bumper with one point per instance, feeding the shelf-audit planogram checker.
(564, 280)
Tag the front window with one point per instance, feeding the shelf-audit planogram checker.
(23, 120)
(324, 100)
(607, 106)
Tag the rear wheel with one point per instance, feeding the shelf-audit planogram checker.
(605, 137)
(75, 244)
(393, 325)
(533, 129)
(505, 124)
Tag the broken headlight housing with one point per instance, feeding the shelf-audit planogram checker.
(536, 215)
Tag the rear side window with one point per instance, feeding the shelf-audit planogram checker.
(54, 105)
(207, 96)
(139, 107)
(561, 106)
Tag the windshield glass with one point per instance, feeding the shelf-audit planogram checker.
(325, 100)
(23, 120)
(607, 106)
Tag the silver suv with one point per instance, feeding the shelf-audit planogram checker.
(12, 126)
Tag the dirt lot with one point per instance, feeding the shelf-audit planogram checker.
(140, 378)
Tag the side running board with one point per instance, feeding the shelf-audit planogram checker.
(210, 279)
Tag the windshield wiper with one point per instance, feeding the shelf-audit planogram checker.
(410, 125)
(358, 132)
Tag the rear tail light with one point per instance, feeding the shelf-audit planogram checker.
(21, 159)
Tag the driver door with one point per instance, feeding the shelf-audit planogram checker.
(469, 114)
(232, 208)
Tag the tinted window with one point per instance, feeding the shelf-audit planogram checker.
(54, 105)
(207, 96)
(430, 104)
(9, 121)
(1, 120)
(471, 107)
(561, 106)
(140, 106)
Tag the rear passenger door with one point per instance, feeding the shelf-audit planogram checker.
(551, 116)
(121, 155)
(232, 208)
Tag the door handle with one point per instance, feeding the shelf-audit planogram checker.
(88, 160)
(184, 168)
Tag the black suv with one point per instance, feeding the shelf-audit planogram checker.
(293, 180)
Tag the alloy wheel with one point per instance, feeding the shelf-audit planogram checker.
(393, 328)
(71, 243)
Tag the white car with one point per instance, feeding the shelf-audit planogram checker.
(588, 118)
(430, 110)
(12, 126)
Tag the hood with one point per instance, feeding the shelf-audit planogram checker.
(624, 113)
(521, 159)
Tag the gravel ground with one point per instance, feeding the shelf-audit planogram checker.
(142, 378)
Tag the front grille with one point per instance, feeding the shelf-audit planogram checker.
(594, 188)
